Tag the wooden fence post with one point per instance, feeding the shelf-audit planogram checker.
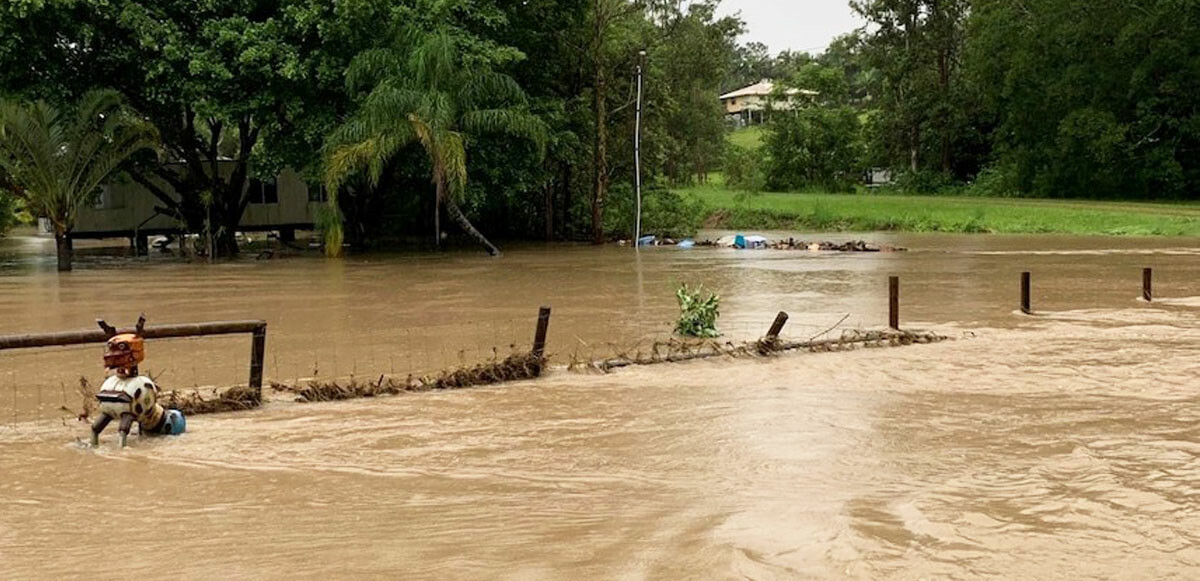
(777, 326)
(539, 338)
(1025, 306)
(894, 302)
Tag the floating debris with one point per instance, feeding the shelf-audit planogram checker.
(762, 243)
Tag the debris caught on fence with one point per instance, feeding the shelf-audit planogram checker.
(192, 402)
(87, 404)
(675, 350)
(512, 368)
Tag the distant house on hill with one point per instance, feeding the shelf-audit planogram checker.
(748, 103)
(284, 203)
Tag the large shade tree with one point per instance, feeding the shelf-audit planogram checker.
(423, 92)
(57, 160)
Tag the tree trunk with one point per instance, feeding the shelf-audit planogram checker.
(437, 216)
(915, 148)
(600, 155)
(456, 214)
(549, 195)
(66, 250)
(944, 81)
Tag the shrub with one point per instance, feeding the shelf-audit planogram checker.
(814, 147)
(743, 169)
(697, 313)
(664, 213)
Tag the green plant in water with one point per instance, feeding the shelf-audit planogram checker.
(697, 313)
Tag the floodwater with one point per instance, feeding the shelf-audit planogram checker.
(1060, 445)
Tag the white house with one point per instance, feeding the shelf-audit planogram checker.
(747, 103)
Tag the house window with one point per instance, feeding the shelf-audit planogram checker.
(317, 193)
(264, 191)
(107, 199)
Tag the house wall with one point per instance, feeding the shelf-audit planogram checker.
(736, 105)
(124, 207)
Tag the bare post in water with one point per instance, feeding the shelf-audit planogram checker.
(539, 338)
(1025, 308)
(1147, 284)
(777, 326)
(894, 302)
(258, 350)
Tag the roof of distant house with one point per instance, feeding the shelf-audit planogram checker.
(762, 88)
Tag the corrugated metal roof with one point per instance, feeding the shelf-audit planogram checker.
(762, 88)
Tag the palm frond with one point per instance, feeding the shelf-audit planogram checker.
(507, 122)
(487, 88)
(372, 67)
(59, 160)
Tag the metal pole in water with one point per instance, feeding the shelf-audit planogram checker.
(1025, 308)
(1147, 284)
(637, 152)
(894, 302)
(258, 349)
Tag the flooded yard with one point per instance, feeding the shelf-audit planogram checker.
(1065, 444)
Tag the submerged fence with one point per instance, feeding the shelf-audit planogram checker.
(53, 375)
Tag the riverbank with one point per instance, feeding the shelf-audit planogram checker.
(864, 212)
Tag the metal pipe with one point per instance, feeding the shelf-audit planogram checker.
(637, 152)
(258, 350)
(157, 332)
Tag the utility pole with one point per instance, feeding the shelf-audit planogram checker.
(637, 152)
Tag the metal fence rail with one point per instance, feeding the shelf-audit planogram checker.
(257, 329)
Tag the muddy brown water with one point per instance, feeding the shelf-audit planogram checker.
(1061, 445)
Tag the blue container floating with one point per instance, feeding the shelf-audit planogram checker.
(647, 240)
(687, 243)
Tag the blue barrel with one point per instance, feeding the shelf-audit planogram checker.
(175, 423)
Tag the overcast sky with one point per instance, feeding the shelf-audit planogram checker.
(803, 25)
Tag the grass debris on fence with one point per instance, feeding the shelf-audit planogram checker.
(675, 350)
(515, 367)
(192, 402)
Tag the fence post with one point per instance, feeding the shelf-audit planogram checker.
(777, 326)
(258, 350)
(539, 338)
(1147, 284)
(894, 302)
(1025, 307)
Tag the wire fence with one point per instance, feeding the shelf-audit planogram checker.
(58, 382)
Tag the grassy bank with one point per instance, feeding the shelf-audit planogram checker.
(872, 212)
(747, 137)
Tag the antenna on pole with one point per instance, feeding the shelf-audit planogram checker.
(637, 153)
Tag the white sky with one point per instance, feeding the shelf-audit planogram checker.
(799, 25)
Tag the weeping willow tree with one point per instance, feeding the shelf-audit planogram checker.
(423, 92)
(56, 160)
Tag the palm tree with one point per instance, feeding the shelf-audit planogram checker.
(422, 92)
(56, 160)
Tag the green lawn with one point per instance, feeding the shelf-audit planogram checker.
(874, 211)
(748, 137)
